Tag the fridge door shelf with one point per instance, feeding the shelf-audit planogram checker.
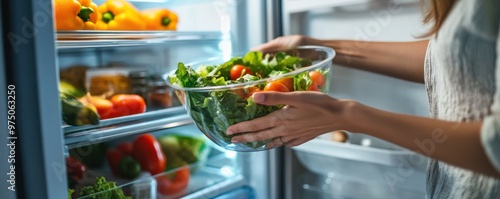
(384, 166)
(340, 187)
(95, 39)
(78, 136)
(206, 179)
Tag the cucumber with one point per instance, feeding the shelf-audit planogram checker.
(76, 113)
(66, 87)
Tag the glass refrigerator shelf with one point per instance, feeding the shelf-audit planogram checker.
(93, 39)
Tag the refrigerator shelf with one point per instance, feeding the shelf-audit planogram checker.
(77, 136)
(95, 39)
(217, 175)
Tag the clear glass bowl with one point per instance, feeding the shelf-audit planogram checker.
(214, 119)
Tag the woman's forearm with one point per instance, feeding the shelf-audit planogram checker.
(403, 60)
(456, 143)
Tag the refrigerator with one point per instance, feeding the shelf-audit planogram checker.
(35, 142)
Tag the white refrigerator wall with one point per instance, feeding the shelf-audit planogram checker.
(396, 21)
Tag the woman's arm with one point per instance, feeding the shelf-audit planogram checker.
(456, 143)
(403, 60)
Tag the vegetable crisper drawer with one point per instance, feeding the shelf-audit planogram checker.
(364, 171)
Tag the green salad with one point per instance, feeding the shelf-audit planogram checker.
(214, 110)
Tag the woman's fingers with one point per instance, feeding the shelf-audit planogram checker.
(261, 135)
(268, 47)
(298, 141)
(276, 142)
(273, 122)
(280, 44)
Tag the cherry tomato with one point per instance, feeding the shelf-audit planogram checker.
(239, 92)
(246, 92)
(128, 104)
(313, 87)
(287, 81)
(275, 86)
(148, 152)
(238, 71)
(174, 185)
(75, 168)
(317, 78)
(251, 90)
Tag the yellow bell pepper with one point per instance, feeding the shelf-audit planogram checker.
(75, 14)
(160, 19)
(119, 15)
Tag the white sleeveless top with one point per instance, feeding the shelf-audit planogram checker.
(460, 73)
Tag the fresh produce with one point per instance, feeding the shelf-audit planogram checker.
(103, 189)
(123, 165)
(119, 15)
(173, 185)
(160, 19)
(126, 148)
(317, 78)
(66, 87)
(70, 193)
(238, 71)
(129, 167)
(215, 110)
(75, 14)
(182, 150)
(103, 106)
(119, 105)
(76, 113)
(286, 81)
(128, 104)
(148, 153)
(93, 155)
(75, 168)
(276, 86)
(114, 156)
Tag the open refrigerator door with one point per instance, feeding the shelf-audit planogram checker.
(109, 153)
(353, 164)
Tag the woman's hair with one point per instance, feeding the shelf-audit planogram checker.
(436, 12)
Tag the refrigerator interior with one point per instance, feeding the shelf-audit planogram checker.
(363, 166)
(206, 30)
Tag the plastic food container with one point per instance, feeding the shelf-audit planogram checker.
(214, 119)
(172, 184)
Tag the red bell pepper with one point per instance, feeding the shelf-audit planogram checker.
(173, 185)
(75, 168)
(148, 152)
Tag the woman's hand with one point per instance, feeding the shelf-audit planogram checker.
(305, 116)
(283, 43)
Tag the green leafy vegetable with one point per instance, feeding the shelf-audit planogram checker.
(214, 111)
(103, 189)
(70, 192)
(181, 150)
